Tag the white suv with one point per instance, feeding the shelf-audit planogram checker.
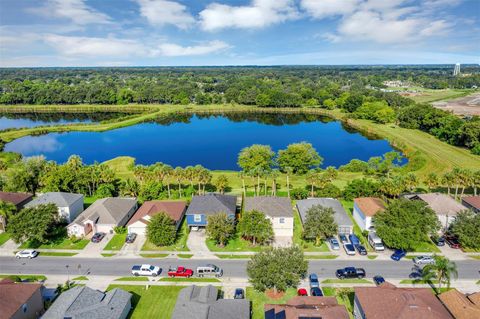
(423, 260)
(27, 253)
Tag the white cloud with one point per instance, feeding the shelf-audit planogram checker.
(170, 49)
(162, 12)
(325, 8)
(75, 10)
(259, 14)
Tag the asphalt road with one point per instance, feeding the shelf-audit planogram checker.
(468, 269)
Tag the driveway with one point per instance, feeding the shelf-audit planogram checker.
(133, 249)
(95, 249)
(196, 244)
(282, 241)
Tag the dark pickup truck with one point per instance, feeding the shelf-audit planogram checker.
(350, 272)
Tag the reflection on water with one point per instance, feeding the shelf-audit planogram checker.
(39, 145)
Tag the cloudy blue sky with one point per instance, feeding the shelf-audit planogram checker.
(237, 32)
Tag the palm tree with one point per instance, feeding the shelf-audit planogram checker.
(130, 187)
(466, 180)
(442, 270)
(221, 183)
(274, 174)
(242, 176)
(411, 181)
(448, 181)
(312, 177)
(475, 182)
(6, 210)
(432, 181)
(288, 171)
(331, 173)
(178, 173)
(457, 175)
(189, 173)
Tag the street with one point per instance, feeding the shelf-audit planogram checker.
(467, 269)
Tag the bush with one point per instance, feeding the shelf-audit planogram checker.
(360, 188)
(105, 190)
(299, 193)
(329, 190)
(120, 229)
(161, 230)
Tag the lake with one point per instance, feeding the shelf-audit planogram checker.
(213, 141)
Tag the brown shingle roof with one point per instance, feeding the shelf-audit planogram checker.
(15, 198)
(473, 201)
(459, 305)
(301, 307)
(370, 205)
(388, 301)
(174, 209)
(14, 295)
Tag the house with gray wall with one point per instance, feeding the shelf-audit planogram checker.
(69, 205)
(203, 206)
(345, 224)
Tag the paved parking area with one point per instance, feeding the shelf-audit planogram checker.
(196, 244)
(95, 249)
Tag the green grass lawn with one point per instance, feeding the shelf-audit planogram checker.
(413, 281)
(80, 278)
(186, 256)
(371, 257)
(116, 243)
(26, 277)
(179, 245)
(475, 257)
(427, 247)
(233, 256)
(180, 279)
(107, 255)
(259, 299)
(428, 95)
(298, 236)
(4, 237)
(132, 278)
(346, 281)
(63, 243)
(154, 255)
(56, 254)
(321, 256)
(154, 302)
(235, 244)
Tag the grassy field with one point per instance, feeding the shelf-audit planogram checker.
(179, 245)
(56, 254)
(154, 302)
(428, 95)
(259, 299)
(4, 237)
(64, 243)
(116, 243)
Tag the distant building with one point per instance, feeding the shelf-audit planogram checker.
(456, 69)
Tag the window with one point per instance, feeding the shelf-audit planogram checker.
(282, 220)
(197, 218)
(24, 307)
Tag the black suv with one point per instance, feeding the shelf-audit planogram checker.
(361, 249)
(97, 237)
(350, 272)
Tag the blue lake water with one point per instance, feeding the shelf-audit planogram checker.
(6, 123)
(212, 141)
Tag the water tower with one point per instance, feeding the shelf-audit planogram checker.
(456, 70)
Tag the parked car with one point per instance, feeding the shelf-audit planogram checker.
(97, 237)
(302, 292)
(146, 270)
(316, 292)
(209, 270)
(423, 260)
(343, 239)
(416, 273)
(26, 253)
(375, 241)
(239, 294)
(378, 280)
(438, 240)
(313, 278)
(350, 272)
(361, 249)
(354, 239)
(452, 241)
(180, 272)
(349, 249)
(130, 238)
(334, 245)
(398, 254)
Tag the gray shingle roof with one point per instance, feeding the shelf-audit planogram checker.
(340, 216)
(58, 198)
(212, 204)
(110, 210)
(196, 302)
(82, 302)
(441, 204)
(270, 206)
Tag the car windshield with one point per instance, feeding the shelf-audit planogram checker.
(152, 268)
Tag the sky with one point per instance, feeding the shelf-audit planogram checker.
(48, 33)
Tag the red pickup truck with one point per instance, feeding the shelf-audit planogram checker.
(180, 272)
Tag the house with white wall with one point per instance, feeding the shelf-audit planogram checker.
(364, 209)
(69, 205)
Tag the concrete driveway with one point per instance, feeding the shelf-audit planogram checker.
(133, 249)
(198, 247)
(95, 249)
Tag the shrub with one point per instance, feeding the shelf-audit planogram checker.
(299, 193)
(120, 229)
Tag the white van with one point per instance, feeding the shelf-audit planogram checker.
(375, 242)
(209, 270)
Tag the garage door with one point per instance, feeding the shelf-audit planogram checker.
(345, 230)
(137, 230)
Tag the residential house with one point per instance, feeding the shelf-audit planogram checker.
(69, 205)
(196, 302)
(103, 215)
(461, 306)
(83, 302)
(20, 300)
(388, 301)
(17, 199)
(443, 205)
(203, 206)
(279, 211)
(345, 225)
(307, 307)
(139, 221)
(472, 202)
(364, 209)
